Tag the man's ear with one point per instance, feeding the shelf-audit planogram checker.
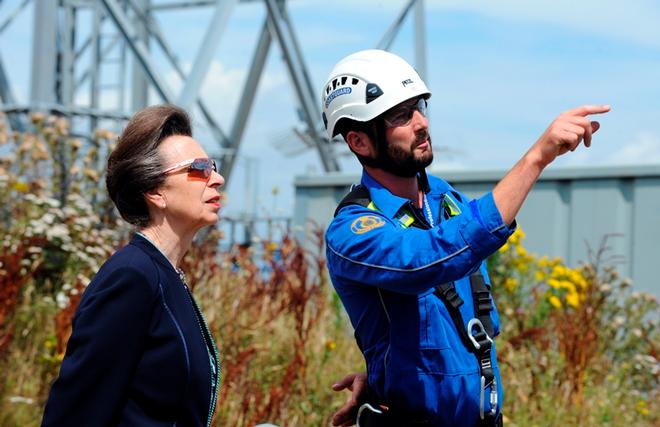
(360, 143)
(155, 199)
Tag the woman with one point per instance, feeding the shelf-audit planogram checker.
(140, 353)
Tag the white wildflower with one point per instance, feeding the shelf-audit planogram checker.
(83, 279)
(618, 321)
(62, 300)
(48, 218)
(53, 203)
(69, 211)
(21, 399)
(58, 231)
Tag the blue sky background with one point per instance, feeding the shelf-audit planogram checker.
(499, 72)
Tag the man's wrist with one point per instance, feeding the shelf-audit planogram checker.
(533, 162)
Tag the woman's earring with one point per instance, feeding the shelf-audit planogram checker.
(163, 206)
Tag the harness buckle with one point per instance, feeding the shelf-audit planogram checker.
(367, 407)
(481, 338)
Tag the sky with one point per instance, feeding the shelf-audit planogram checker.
(500, 72)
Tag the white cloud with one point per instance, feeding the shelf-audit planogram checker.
(223, 86)
(643, 149)
(635, 20)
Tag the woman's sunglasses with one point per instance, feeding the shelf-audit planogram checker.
(401, 114)
(198, 167)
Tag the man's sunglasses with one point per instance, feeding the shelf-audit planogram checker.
(199, 167)
(402, 114)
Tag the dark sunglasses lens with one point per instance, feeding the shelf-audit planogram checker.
(402, 115)
(421, 106)
(202, 167)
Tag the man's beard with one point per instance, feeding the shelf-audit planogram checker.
(399, 161)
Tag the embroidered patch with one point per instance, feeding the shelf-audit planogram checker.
(366, 223)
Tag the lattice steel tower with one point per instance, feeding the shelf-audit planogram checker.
(73, 40)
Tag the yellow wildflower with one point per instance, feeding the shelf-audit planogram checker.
(21, 187)
(554, 283)
(642, 408)
(517, 237)
(510, 284)
(554, 301)
(330, 345)
(573, 299)
(565, 284)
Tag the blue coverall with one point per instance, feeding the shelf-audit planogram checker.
(385, 272)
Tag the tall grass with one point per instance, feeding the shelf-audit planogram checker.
(578, 346)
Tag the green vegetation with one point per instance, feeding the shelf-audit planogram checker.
(578, 347)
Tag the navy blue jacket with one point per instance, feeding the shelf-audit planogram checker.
(385, 271)
(139, 351)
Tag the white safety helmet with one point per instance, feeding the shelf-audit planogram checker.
(364, 85)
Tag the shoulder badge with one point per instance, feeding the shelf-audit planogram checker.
(366, 223)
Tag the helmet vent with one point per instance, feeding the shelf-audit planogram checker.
(355, 81)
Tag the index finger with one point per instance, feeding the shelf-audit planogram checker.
(585, 110)
(344, 382)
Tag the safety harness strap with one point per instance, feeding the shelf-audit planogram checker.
(476, 337)
(359, 195)
(483, 303)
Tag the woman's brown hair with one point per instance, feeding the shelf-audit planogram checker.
(134, 167)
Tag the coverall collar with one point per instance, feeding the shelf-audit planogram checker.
(386, 202)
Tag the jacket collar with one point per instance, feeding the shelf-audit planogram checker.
(386, 202)
(150, 249)
(390, 204)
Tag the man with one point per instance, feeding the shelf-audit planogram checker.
(406, 252)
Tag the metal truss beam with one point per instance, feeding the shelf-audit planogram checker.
(7, 98)
(208, 47)
(57, 57)
(138, 48)
(297, 72)
(154, 31)
(247, 96)
(390, 34)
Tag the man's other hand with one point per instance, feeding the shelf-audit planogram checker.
(357, 384)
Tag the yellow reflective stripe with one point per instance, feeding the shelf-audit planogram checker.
(451, 206)
(406, 219)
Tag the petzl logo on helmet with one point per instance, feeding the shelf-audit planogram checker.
(338, 92)
(407, 82)
(366, 223)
